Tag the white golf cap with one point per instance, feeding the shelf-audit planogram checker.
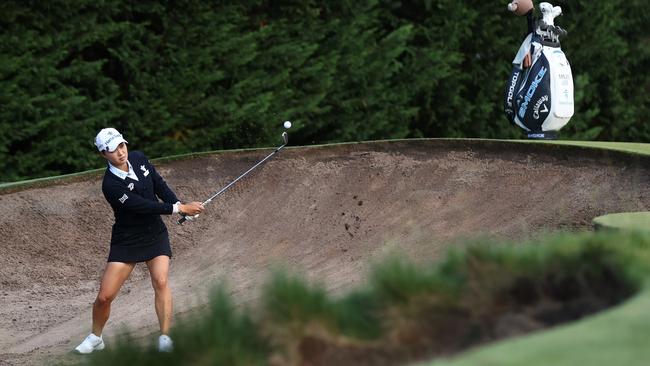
(108, 139)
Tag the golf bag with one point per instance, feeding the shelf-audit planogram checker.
(539, 99)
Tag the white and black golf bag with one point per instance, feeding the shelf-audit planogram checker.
(539, 99)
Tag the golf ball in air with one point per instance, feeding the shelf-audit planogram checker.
(287, 124)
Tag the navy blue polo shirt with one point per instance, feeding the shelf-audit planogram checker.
(136, 203)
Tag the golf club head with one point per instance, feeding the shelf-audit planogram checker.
(285, 138)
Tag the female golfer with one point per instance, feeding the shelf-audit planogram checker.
(132, 187)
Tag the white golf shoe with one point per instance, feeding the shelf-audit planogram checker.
(91, 343)
(165, 344)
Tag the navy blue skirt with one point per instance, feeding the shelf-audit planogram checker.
(139, 244)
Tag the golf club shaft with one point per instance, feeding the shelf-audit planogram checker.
(242, 176)
(185, 217)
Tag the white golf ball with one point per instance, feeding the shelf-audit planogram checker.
(287, 124)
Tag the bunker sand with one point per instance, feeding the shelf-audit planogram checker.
(327, 212)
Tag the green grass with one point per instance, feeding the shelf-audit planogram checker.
(418, 308)
(615, 337)
(631, 147)
(624, 220)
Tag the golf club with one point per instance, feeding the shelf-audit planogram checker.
(285, 140)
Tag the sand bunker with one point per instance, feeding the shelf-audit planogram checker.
(325, 211)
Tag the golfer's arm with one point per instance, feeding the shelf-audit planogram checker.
(130, 201)
(531, 21)
(162, 190)
(160, 187)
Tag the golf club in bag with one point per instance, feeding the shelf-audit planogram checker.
(539, 92)
(285, 141)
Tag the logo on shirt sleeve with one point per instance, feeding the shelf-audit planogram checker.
(145, 170)
(124, 198)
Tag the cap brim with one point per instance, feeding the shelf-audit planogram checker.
(115, 143)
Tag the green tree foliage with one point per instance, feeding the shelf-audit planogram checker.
(182, 76)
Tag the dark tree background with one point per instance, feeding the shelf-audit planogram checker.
(184, 76)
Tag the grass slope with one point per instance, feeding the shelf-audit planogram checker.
(624, 220)
(614, 337)
(631, 147)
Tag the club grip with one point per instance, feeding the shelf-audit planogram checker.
(186, 218)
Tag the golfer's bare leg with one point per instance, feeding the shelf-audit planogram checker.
(114, 276)
(159, 271)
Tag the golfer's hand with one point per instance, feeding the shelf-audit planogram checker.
(191, 209)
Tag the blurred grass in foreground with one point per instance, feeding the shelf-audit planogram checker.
(476, 295)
